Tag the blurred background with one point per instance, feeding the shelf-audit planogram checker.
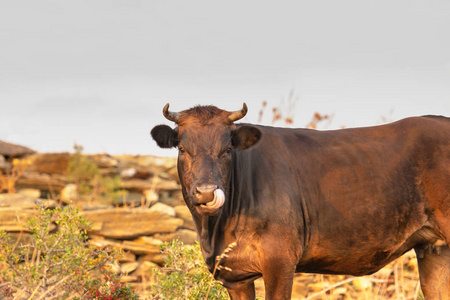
(98, 73)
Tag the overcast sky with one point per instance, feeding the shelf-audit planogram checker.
(97, 73)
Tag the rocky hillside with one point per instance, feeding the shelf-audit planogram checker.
(150, 211)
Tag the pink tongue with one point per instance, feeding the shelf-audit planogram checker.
(218, 201)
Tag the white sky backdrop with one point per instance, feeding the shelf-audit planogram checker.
(98, 73)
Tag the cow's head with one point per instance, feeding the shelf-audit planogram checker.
(206, 138)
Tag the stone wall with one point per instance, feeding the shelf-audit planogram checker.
(152, 211)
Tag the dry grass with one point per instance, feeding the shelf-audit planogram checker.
(398, 280)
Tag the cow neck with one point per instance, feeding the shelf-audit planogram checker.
(209, 237)
(206, 227)
(211, 228)
(238, 203)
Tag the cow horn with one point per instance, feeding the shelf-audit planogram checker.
(171, 116)
(238, 114)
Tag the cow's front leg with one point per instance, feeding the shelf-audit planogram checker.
(434, 271)
(246, 292)
(278, 279)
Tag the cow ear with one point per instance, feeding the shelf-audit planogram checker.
(165, 136)
(245, 137)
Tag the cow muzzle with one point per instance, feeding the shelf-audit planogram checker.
(209, 198)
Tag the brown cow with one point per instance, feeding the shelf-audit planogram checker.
(297, 200)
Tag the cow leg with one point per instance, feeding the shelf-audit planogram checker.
(278, 280)
(247, 292)
(434, 273)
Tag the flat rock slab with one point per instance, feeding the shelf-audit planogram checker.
(137, 247)
(15, 219)
(130, 223)
(11, 150)
(182, 212)
(141, 248)
(17, 201)
(104, 160)
(187, 237)
(127, 268)
(155, 183)
(50, 163)
(21, 201)
(17, 209)
(41, 181)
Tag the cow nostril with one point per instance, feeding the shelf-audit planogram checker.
(205, 188)
(205, 191)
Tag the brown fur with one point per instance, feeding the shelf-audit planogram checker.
(202, 116)
(332, 202)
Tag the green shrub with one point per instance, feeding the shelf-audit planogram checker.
(81, 171)
(91, 185)
(54, 265)
(185, 275)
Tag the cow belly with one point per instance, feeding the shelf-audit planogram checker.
(364, 260)
(349, 263)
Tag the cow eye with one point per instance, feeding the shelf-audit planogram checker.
(181, 150)
(228, 150)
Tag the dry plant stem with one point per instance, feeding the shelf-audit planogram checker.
(33, 256)
(55, 286)
(218, 260)
(17, 296)
(338, 284)
(324, 297)
(57, 296)
(11, 264)
(124, 201)
(18, 240)
(3, 184)
(402, 275)
(378, 287)
(5, 284)
(52, 191)
(416, 291)
(36, 289)
(353, 290)
(396, 280)
(38, 258)
(143, 204)
(153, 187)
(8, 181)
